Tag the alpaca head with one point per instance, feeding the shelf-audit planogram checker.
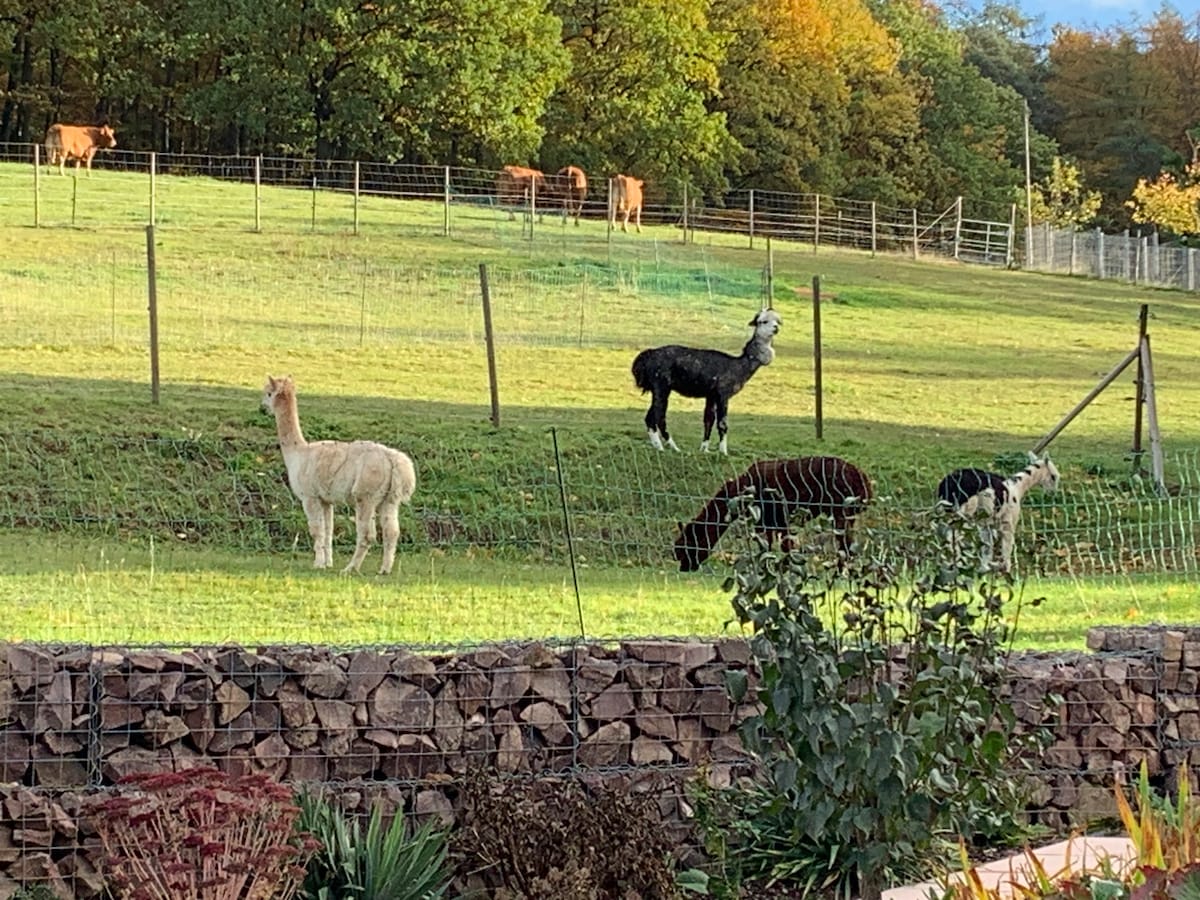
(688, 552)
(766, 324)
(1049, 471)
(275, 388)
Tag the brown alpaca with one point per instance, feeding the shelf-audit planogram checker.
(784, 489)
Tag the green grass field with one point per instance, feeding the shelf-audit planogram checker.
(927, 365)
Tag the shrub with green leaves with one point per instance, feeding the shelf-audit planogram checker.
(390, 862)
(883, 730)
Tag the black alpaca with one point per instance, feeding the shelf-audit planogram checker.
(710, 374)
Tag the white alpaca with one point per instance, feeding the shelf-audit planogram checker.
(373, 477)
(997, 500)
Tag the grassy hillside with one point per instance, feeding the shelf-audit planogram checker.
(124, 520)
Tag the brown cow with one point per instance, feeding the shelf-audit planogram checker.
(78, 142)
(569, 187)
(518, 186)
(626, 199)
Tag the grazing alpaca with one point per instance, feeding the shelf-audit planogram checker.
(976, 492)
(375, 478)
(710, 374)
(783, 489)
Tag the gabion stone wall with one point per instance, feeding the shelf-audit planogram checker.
(401, 727)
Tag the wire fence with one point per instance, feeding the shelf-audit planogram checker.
(1133, 258)
(622, 509)
(293, 194)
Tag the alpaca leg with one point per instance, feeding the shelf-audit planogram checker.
(723, 425)
(652, 418)
(314, 511)
(328, 533)
(710, 417)
(1008, 533)
(987, 545)
(364, 514)
(639, 220)
(656, 421)
(390, 514)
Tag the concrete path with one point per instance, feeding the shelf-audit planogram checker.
(1079, 854)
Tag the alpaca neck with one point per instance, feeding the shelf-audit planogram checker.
(758, 352)
(287, 422)
(1019, 484)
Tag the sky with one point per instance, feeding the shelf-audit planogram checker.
(1092, 14)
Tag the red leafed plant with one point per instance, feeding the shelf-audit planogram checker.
(200, 834)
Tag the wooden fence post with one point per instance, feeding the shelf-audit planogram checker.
(490, 340)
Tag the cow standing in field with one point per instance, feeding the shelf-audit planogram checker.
(78, 142)
(570, 187)
(519, 186)
(626, 199)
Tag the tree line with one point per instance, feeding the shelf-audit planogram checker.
(899, 101)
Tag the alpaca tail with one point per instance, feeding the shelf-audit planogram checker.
(404, 477)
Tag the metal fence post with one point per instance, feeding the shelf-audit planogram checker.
(153, 187)
(916, 242)
(685, 213)
(356, 184)
(446, 201)
(37, 186)
(816, 222)
(258, 193)
(957, 224)
(152, 296)
(1010, 250)
(751, 218)
(1099, 253)
(874, 231)
(608, 219)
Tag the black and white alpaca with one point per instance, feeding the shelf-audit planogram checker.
(711, 374)
(997, 500)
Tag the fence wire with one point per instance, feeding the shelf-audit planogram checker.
(624, 508)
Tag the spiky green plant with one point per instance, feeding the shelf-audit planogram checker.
(380, 862)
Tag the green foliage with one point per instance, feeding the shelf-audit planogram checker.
(35, 892)
(974, 128)
(1062, 199)
(642, 74)
(379, 863)
(883, 730)
(538, 839)
(1165, 832)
